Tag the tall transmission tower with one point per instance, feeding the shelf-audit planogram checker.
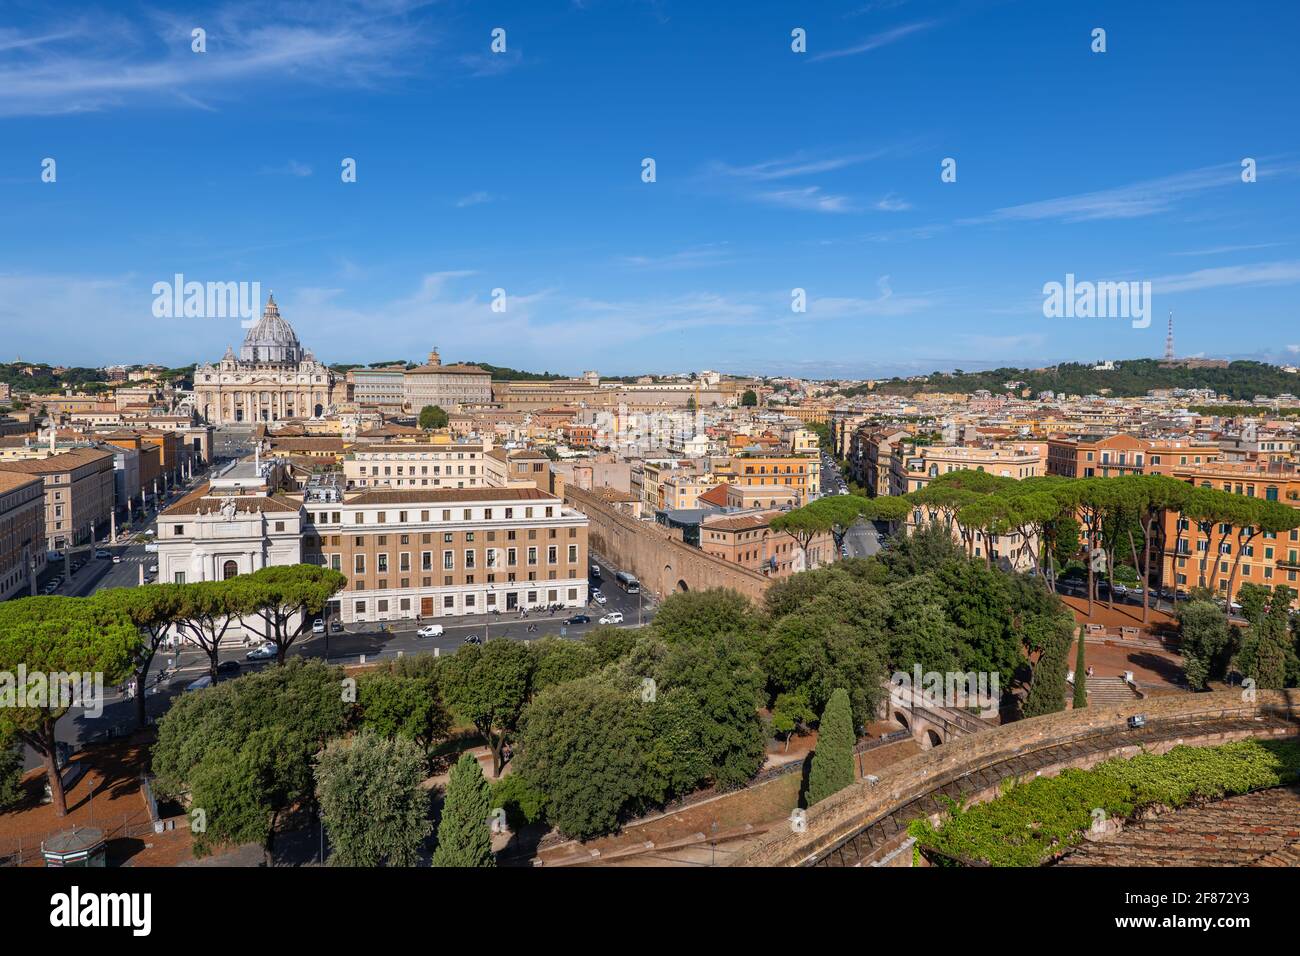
(1169, 339)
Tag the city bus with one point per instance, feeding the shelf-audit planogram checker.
(628, 583)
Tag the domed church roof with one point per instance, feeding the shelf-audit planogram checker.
(272, 339)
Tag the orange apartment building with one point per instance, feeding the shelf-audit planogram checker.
(1089, 456)
(749, 541)
(801, 474)
(436, 553)
(1269, 559)
(1096, 456)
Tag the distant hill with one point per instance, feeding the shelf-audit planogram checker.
(1130, 378)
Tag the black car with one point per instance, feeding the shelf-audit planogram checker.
(228, 669)
(579, 619)
(336, 625)
(473, 639)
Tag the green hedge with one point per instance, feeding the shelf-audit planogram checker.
(1032, 822)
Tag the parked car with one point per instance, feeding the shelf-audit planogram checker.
(263, 652)
(578, 619)
(613, 617)
(336, 625)
(318, 626)
(430, 630)
(595, 572)
(598, 597)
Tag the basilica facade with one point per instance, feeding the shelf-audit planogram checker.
(273, 378)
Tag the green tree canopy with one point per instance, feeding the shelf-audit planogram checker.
(433, 416)
(67, 648)
(489, 686)
(372, 803)
(243, 750)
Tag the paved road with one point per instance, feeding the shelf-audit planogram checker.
(862, 540)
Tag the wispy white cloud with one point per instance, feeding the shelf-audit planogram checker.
(883, 305)
(878, 40)
(1259, 274)
(113, 62)
(810, 198)
(474, 199)
(1133, 201)
(712, 254)
(1221, 250)
(290, 168)
(892, 203)
(800, 164)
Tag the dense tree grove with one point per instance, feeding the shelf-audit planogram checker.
(242, 752)
(1132, 377)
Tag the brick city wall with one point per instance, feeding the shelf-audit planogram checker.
(841, 815)
(657, 557)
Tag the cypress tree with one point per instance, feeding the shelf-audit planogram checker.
(832, 763)
(464, 837)
(1047, 690)
(1080, 676)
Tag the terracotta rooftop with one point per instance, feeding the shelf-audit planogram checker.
(200, 501)
(60, 462)
(12, 481)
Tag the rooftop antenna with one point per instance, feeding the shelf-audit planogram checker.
(1169, 339)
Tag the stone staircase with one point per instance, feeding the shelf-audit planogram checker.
(1107, 691)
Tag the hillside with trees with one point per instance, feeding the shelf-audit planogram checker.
(1129, 378)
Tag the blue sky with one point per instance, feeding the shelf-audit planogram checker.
(775, 171)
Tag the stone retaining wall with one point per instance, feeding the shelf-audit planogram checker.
(841, 815)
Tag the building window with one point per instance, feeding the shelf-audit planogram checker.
(229, 570)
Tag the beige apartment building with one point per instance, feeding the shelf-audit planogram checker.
(917, 466)
(446, 386)
(79, 493)
(415, 465)
(524, 467)
(22, 533)
(444, 553)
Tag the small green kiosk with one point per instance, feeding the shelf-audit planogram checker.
(80, 846)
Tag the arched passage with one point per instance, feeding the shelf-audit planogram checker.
(681, 585)
(901, 718)
(930, 740)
